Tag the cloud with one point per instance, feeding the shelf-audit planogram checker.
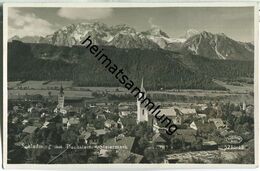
(27, 24)
(85, 13)
(150, 21)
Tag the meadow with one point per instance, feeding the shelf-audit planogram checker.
(18, 89)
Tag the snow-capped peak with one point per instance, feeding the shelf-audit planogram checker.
(157, 32)
(191, 32)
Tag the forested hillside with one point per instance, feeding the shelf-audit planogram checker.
(159, 68)
(224, 68)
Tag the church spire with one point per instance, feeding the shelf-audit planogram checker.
(142, 112)
(61, 98)
(61, 89)
(142, 83)
(142, 86)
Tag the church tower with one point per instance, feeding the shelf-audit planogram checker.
(142, 112)
(60, 98)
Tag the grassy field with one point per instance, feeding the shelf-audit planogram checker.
(39, 84)
(12, 94)
(242, 88)
(18, 89)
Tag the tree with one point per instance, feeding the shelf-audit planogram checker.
(44, 157)
(49, 94)
(113, 133)
(17, 155)
(154, 155)
(112, 155)
(69, 137)
(176, 143)
(143, 143)
(93, 159)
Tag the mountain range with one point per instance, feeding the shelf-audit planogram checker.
(209, 45)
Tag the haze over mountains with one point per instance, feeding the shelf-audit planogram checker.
(213, 46)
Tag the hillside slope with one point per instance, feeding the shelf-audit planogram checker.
(160, 68)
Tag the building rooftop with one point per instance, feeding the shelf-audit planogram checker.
(188, 131)
(30, 129)
(85, 135)
(65, 120)
(217, 121)
(74, 121)
(209, 143)
(132, 158)
(110, 122)
(168, 111)
(100, 132)
(158, 139)
(121, 141)
(187, 111)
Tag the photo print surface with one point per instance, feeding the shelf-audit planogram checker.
(120, 85)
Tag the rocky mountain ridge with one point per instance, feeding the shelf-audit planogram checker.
(217, 46)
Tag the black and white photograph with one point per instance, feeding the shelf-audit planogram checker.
(130, 84)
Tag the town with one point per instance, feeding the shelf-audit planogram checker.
(59, 129)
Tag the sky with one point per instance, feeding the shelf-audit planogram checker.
(235, 22)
